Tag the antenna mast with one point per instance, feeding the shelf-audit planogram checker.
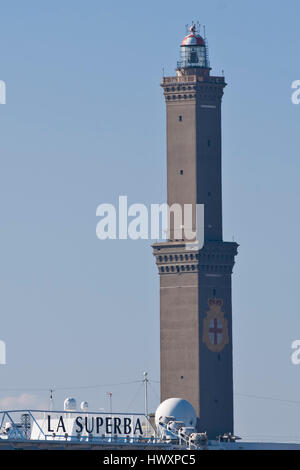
(206, 47)
(51, 399)
(109, 394)
(146, 399)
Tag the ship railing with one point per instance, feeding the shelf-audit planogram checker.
(176, 431)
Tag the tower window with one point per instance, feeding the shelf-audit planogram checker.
(193, 57)
(181, 172)
(180, 118)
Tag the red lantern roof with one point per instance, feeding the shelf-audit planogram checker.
(193, 39)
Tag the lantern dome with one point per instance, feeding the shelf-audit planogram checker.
(193, 39)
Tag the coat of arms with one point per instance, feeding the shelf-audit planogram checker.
(215, 326)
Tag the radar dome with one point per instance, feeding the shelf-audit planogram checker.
(178, 408)
(70, 404)
(84, 405)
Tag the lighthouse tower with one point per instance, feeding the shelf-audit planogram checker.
(195, 285)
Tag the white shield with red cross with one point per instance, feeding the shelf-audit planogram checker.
(215, 326)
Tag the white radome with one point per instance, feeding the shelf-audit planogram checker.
(84, 405)
(179, 408)
(70, 404)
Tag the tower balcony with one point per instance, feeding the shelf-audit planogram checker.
(192, 78)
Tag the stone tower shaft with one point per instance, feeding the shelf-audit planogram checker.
(195, 285)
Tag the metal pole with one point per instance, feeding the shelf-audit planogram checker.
(109, 394)
(146, 399)
(51, 399)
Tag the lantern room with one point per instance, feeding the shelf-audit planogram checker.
(193, 51)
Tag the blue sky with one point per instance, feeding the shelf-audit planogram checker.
(84, 123)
